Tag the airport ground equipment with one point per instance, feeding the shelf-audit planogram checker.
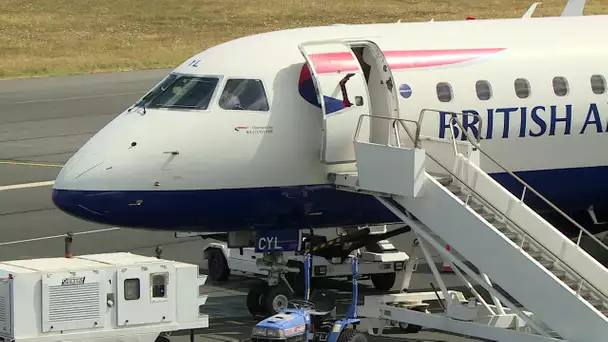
(313, 319)
(110, 297)
(278, 256)
(436, 187)
(379, 261)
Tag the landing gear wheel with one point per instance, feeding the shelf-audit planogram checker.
(218, 265)
(384, 281)
(351, 335)
(275, 298)
(411, 328)
(254, 298)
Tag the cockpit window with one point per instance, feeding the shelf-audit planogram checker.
(244, 94)
(160, 87)
(181, 91)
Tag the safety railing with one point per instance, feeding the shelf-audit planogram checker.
(526, 186)
(525, 235)
(391, 123)
(454, 115)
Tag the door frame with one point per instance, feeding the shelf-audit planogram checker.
(319, 92)
(381, 64)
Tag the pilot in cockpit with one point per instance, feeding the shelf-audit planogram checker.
(230, 98)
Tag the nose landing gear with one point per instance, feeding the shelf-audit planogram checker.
(269, 297)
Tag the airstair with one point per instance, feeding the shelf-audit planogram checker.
(436, 187)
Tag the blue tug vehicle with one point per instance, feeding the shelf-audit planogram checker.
(312, 319)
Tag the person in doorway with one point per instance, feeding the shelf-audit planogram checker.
(342, 83)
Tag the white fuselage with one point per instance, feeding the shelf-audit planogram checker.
(214, 169)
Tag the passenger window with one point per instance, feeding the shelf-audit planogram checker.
(560, 86)
(159, 285)
(444, 92)
(185, 92)
(131, 289)
(522, 88)
(484, 91)
(244, 94)
(598, 84)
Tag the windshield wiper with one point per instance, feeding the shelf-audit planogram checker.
(137, 105)
(152, 95)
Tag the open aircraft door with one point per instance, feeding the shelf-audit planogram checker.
(384, 95)
(343, 96)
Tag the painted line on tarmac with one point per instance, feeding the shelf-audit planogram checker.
(102, 230)
(78, 97)
(6, 162)
(26, 185)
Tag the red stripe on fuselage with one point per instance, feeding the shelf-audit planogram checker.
(324, 63)
(430, 58)
(407, 59)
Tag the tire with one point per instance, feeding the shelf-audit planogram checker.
(384, 281)
(381, 281)
(162, 339)
(254, 298)
(351, 335)
(218, 265)
(275, 298)
(411, 328)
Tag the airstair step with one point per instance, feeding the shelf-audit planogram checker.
(561, 274)
(598, 303)
(488, 216)
(572, 283)
(526, 246)
(585, 293)
(502, 226)
(456, 190)
(445, 181)
(511, 235)
(476, 206)
(542, 258)
(548, 264)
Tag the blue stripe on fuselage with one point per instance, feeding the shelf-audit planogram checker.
(284, 207)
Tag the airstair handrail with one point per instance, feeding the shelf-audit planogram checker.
(388, 118)
(454, 115)
(475, 143)
(522, 231)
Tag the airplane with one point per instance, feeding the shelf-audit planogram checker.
(242, 136)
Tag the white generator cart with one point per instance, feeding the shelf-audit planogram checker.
(111, 297)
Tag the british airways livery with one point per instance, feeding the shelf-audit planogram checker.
(243, 135)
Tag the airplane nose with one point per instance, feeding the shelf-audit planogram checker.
(80, 164)
(71, 191)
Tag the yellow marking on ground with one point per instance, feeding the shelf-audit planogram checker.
(6, 162)
(26, 185)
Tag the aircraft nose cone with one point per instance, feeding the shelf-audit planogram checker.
(86, 205)
(71, 191)
(78, 166)
(68, 201)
